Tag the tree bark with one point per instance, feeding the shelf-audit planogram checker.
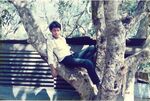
(77, 78)
(143, 6)
(99, 25)
(139, 14)
(143, 28)
(140, 57)
(115, 50)
(98, 18)
(129, 90)
(132, 63)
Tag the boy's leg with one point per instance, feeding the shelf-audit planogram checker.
(70, 61)
(88, 53)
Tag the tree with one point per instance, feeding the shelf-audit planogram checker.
(77, 78)
(115, 63)
(111, 63)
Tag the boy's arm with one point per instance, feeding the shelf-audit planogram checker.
(51, 61)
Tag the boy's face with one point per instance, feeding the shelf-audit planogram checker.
(56, 32)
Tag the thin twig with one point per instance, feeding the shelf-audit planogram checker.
(77, 21)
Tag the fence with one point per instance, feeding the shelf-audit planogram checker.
(21, 65)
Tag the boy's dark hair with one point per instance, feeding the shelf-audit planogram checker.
(54, 24)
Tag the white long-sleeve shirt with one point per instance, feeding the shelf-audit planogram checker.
(59, 47)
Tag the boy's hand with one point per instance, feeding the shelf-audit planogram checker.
(54, 72)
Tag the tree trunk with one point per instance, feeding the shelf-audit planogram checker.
(115, 49)
(132, 63)
(129, 91)
(77, 78)
(98, 18)
(143, 56)
(99, 25)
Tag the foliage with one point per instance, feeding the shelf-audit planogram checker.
(145, 67)
(128, 6)
(9, 20)
(75, 17)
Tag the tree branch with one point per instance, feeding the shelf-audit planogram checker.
(77, 21)
(142, 31)
(138, 58)
(98, 18)
(139, 14)
(141, 7)
(99, 26)
(133, 61)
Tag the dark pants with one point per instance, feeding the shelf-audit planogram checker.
(84, 58)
